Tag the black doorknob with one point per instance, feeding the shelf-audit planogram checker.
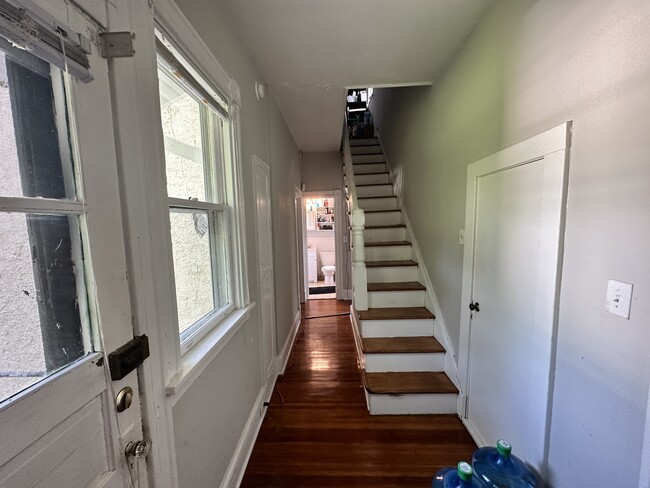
(474, 307)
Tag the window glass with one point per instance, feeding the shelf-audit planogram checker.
(192, 255)
(41, 307)
(35, 154)
(181, 123)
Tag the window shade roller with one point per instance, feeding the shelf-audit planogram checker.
(168, 58)
(32, 29)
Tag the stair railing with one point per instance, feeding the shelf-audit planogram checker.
(357, 221)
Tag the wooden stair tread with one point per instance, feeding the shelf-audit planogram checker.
(404, 383)
(385, 196)
(378, 173)
(396, 345)
(390, 263)
(366, 162)
(375, 184)
(387, 243)
(393, 226)
(396, 313)
(397, 286)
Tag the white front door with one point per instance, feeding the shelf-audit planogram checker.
(262, 178)
(64, 296)
(515, 255)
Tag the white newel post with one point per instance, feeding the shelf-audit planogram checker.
(359, 274)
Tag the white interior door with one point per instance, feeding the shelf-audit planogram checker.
(64, 297)
(517, 214)
(262, 178)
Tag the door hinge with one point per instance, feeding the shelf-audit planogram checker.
(128, 357)
(116, 44)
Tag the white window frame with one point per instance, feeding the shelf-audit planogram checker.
(214, 327)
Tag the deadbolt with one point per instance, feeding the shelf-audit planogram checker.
(124, 398)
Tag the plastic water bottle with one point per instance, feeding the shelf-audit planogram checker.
(461, 477)
(496, 467)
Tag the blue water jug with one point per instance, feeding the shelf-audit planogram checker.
(461, 477)
(496, 467)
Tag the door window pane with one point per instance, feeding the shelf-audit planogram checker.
(181, 123)
(190, 231)
(35, 156)
(40, 323)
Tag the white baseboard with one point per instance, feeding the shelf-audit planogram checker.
(283, 357)
(237, 466)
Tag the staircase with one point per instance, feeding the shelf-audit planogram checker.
(402, 363)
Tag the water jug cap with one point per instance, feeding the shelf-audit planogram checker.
(465, 471)
(504, 448)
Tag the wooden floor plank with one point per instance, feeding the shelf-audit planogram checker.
(396, 313)
(387, 243)
(395, 345)
(318, 433)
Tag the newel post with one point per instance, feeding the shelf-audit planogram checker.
(359, 274)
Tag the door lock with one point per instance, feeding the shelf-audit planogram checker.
(474, 307)
(138, 449)
(123, 399)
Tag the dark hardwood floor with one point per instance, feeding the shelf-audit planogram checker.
(318, 433)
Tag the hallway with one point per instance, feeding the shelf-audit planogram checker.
(317, 431)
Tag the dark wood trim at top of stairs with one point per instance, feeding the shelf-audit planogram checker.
(399, 345)
(395, 263)
(396, 313)
(371, 162)
(374, 184)
(387, 244)
(404, 383)
(397, 286)
(378, 173)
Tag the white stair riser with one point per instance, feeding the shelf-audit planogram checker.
(413, 404)
(378, 203)
(383, 218)
(371, 179)
(388, 299)
(360, 169)
(364, 142)
(366, 149)
(375, 191)
(405, 362)
(396, 328)
(368, 158)
(393, 274)
(385, 234)
(388, 253)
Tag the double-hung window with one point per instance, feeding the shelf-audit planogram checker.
(198, 166)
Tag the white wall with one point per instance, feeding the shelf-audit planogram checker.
(210, 417)
(529, 66)
(321, 171)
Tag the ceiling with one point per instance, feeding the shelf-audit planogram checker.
(310, 51)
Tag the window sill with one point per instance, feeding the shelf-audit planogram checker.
(194, 362)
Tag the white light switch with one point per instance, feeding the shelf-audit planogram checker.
(619, 298)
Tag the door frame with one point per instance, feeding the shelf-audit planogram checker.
(258, 164)
(554, 143)
(301, 246)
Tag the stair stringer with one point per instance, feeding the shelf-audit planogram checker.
(430, 299)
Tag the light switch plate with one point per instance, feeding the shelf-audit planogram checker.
(619, 298)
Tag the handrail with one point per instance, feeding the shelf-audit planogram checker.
(357, 221)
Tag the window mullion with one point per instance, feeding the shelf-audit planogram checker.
(181, 203)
